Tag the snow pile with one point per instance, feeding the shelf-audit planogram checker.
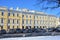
(34, 38)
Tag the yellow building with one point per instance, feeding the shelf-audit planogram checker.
(12, 19)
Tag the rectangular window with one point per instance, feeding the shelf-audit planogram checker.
(17, 26)
(13, 14)
(34, 21)
(26, 21)
(17, 21)
(13, 27)
(13, 21)
(22, 27)
(8, 27)
(1, 20)
(8, 20)
(40, 21)
(8, 14)
(17, 15)
(37, 22)
(37, 16)
(40, 17)
(30, 16)
(22, 21)
(2, 13)
(30, 21)
(22, 15)
(34, 17)
(26, 16)
(1, 27)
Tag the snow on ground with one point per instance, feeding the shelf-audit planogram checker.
(34, 38)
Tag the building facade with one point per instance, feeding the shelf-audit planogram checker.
(12, 19)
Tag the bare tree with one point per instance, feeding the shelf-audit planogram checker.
(48, 4)
(44, 4)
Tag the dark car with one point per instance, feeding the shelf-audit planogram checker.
(51, 29)
(33, 29)
(57, 29)
(2, 31)
(36, 30)
(43, 30)
(18, 30)
(12, 31)
(23, 30)
(29, 31)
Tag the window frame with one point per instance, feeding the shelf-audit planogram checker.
(13, 14)
(2, 13)
(13, 21)
(8, 14)
(8, 20)
(17, 14)
(2, 20)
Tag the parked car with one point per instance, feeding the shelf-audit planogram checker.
(33, 29)
(18, 30)
(51, 29)
(23, 31)
(57, 29)
(29, 31)
(2, 31)
(36, 30)
(12, 31)
(43, 30)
